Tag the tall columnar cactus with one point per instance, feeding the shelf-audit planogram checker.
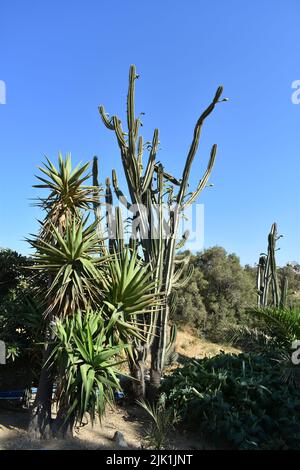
(267, 274)
(152, 190)
(283, 291)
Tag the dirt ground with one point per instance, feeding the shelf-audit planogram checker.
(131, 420)
(188, 345)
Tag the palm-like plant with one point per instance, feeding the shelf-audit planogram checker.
(128, 293)
(275, 333)
(276, 328)
(163, 421)
(68, 194)
(71, 262)
(80, 279)
(130, 299)
(87, 367)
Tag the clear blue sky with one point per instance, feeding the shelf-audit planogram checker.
(61, 59)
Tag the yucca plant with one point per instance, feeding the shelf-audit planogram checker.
(130, 300)
(80, 278)
(87, 368)
(71, 261)
(68, 193)
(128, 288)
(62, 257)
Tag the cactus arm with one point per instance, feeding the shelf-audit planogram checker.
(119, 132)
(284, 292)
(97, 206)
(119, 193)
(205, 178)
(119, 229)
(130, 100)
(109, 216)
(183, 240)
(186, 280)
(172, 339)
(107, 122)
(169, 177)
(260, 279)
(178, 273)
(195, 143)
(140, 153)
(151, 162)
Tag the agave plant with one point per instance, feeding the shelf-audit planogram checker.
(87, 367)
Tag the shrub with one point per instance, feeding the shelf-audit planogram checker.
(238, 399)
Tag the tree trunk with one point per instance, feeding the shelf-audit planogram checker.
(63, 426)
(137, 372)
(40, 419)
(138, 385)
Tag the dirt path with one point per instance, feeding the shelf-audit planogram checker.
(132, 421)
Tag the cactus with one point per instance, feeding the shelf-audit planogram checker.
(267, 274)
(151, 187)
(172, 339)
(284, 291)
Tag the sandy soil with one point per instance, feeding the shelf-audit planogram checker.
(188, 345)
(132, 421)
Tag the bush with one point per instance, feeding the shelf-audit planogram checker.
(237, 399)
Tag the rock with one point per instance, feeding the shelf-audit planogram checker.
(119, 439)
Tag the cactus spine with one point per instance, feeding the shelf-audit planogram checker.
(151, 187)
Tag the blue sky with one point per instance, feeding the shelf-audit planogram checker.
(60, 60)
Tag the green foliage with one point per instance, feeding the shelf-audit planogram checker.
(237, 400)
(281, 326)
(68, 195)
(127, 294)
(274, 334)
(20, 307)
(70, 262)
(190, 308)
(217, 294)
(87, 365)
(163, 421)
(12, 270)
